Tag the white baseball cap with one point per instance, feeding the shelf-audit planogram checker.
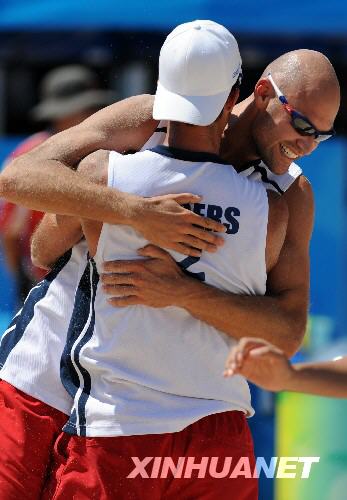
(198, 65)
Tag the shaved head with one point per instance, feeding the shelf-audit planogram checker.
(303, 71)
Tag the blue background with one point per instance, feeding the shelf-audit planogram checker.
(267, 17)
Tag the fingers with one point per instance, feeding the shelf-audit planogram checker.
(194, 242)
(119, 290)
(123, 266)
(183, 198)
(154, 252)
(270, 351)
(205, 237)
(230, 364)
(239, 353)
(207, 223)
(236, 364)
(247, 348)
(186, 250)
(131, 300)
(118, 279)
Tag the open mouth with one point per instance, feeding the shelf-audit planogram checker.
(288, 152)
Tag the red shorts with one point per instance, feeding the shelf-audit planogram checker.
(28, 430)
(205, 455)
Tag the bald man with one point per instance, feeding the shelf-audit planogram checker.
(291, 111)
(260, 128)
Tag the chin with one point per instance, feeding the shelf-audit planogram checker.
(280, 169)
(280, 165)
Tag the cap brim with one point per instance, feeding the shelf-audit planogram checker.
(196, 110)
(53, 109)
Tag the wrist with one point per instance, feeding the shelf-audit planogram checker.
(130, 211)
(292, 381)
(187, 292)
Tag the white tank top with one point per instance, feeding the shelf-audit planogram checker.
(32, 345)
(141, 370)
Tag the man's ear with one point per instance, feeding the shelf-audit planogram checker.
(232, 100)
(263, 92)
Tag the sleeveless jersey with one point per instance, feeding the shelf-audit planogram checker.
(32, 345)
(142, 370)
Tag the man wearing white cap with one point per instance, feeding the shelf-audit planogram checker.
(146, 383)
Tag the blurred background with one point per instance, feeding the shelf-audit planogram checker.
(111, 51)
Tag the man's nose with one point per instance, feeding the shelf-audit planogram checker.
(306, 145)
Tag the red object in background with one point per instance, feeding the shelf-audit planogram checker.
(26, 220)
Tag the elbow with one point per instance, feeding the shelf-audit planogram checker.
(38, 259)
(5, 186)
(296, 329)
(8, 182)
(37, 262)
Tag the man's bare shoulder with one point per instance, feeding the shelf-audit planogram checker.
(300, 194)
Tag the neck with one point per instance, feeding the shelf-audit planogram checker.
(194, 138)
(238, 146)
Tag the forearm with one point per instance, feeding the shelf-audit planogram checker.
(322, 379)
(45, 178)
(243, 316)
(64, 191)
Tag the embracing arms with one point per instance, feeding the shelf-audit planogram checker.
(279, 317)
(58, 233)
(46, 179)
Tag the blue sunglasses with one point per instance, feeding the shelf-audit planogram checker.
(298, 121)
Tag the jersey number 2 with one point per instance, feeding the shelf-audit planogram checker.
(187, 262)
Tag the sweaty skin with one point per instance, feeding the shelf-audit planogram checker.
(258, 128)
(267, 366)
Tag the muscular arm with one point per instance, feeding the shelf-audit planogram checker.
(58, 233)
(267, 366)
(45, 179)
(279, 317)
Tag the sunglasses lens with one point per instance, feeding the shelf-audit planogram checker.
(303, 127)
(323, 137)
